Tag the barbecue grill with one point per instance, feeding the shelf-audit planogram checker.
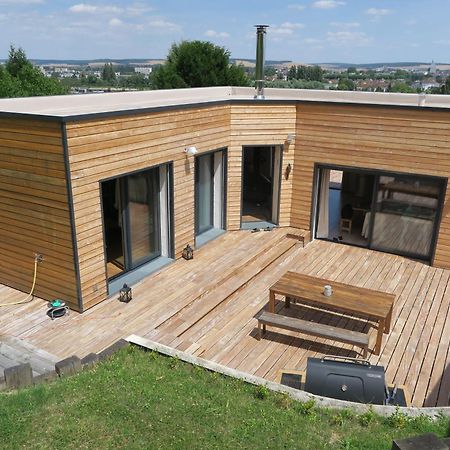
(348, 379)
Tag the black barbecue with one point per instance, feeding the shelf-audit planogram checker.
(346, 379)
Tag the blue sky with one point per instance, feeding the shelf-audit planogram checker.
(353, 31)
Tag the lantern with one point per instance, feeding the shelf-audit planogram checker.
(125, 294)
(188, 252)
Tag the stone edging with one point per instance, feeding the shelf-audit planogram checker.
(295, 394)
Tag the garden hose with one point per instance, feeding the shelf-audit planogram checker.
(30, 295)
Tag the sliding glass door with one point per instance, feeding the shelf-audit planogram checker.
(204, 175)
(133, 225)
(261, 182)
(142, 214)
(406, 210)
(394, 213)
(210, 174)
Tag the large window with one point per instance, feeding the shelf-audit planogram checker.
(135, 216)
(395, 213)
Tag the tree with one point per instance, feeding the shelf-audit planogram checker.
(197, 64)
(445, 89)
(108, 73)
(402, 87)
(345, 84)
(19, 78)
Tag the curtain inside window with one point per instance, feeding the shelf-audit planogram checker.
(323, 201)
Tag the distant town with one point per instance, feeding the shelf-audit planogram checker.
(122, 75)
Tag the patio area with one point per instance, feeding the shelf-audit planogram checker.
(207, 307)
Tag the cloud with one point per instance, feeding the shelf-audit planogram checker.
(348, 38)
(286, 28)
(312, 41)
(292, 26)
(217, 34)
(297, 7)
(85, 8)
(378, 12)
(345, 25)
(161, 23)
(21, 2)
(327, 4)
(115, 22)
(137, 9)
(411, 22)
(442, 42)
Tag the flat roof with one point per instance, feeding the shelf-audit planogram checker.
(79, 105)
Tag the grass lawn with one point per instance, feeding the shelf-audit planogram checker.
(140, 399)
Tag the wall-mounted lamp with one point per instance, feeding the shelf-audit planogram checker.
(290, 138)
(191, 151)
(288, 171)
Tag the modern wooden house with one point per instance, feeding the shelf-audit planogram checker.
(111, 187)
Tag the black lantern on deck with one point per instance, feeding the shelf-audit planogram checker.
(125, 294)
(188, 252)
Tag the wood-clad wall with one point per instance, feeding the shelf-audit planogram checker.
(34, 210)
(103, 148)
(259, 124)
(394, 139)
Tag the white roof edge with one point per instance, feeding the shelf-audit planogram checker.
(90, 104)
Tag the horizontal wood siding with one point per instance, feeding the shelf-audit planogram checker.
(393, 139)
(34, 211)
(105, 148)
(259, 124)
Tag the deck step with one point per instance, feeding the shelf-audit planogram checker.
(313, 329)
(223, 286)
(14, 351)
(227, 285)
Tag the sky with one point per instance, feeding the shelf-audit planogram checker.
(352, 31)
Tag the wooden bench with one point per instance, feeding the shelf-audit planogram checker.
(314, 329)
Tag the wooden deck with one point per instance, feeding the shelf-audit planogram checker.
(207, 307)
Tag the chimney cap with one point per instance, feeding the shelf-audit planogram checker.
(262, 26)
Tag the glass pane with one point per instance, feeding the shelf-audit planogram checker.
(204, 193)
(112, 216)
(143, 216)
(406, 210)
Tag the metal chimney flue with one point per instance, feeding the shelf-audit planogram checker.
(259, 72)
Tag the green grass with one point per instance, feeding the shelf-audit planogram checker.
(140, 399)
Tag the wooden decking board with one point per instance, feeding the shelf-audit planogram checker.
(408, 320)
(436, 362)
(207, 307)
(416, 347)
(427, 354)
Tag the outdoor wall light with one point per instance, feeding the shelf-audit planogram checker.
(290, 138)
(288, 171)
(191, 151)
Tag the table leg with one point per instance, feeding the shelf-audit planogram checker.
(381, 328)
(387, 327)
(272, 302)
